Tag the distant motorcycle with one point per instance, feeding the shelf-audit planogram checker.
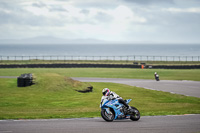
(157, 77)
(113, 110)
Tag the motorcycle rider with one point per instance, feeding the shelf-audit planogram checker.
(110, 95)
(156, 76)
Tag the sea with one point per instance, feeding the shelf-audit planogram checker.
(134, 52)
(100, 50)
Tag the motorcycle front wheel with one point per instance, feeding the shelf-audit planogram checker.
(135, 116)
(107, 116)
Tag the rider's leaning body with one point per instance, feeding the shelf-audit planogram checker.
(110, 95)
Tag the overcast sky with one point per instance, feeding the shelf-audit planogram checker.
(162, 21)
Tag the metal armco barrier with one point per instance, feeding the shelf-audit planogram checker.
(69, 58)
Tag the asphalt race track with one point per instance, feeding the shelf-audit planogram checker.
(147, 124)
(183, 87)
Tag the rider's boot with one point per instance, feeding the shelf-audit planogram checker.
(129, 108)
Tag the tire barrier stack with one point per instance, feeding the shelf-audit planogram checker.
(25, 80)
(100, 66)
(89, 89)
(70, 66)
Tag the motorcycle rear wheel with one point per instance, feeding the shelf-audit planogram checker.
(107, 117)
(136, 115)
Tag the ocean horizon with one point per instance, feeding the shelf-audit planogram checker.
(99, 50)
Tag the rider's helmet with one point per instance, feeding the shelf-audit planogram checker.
(105, 91)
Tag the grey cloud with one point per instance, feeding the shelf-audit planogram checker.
(62, 0)
(149, 2)
(85, 11)
(57, 9)
(5, 18)
(178, 26)
(15, 14)
(40, 4)
(10, 7)
(103, 17)
(25, 18)
(97, 4)
(161, 24)
(166, 25)
(100, 17)
(10, 13)
(4, 5)
(167, 18)
(51, 8)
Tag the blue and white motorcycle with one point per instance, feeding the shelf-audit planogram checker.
(113, 110)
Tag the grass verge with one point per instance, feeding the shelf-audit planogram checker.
(165, 74)
(54, 96)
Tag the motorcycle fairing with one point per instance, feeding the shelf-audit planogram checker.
(115, 105)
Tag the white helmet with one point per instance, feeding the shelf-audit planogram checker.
(105, 91)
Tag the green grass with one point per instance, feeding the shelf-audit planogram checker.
(165, 74)
(54, 96)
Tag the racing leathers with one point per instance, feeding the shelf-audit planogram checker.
(112, 96)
